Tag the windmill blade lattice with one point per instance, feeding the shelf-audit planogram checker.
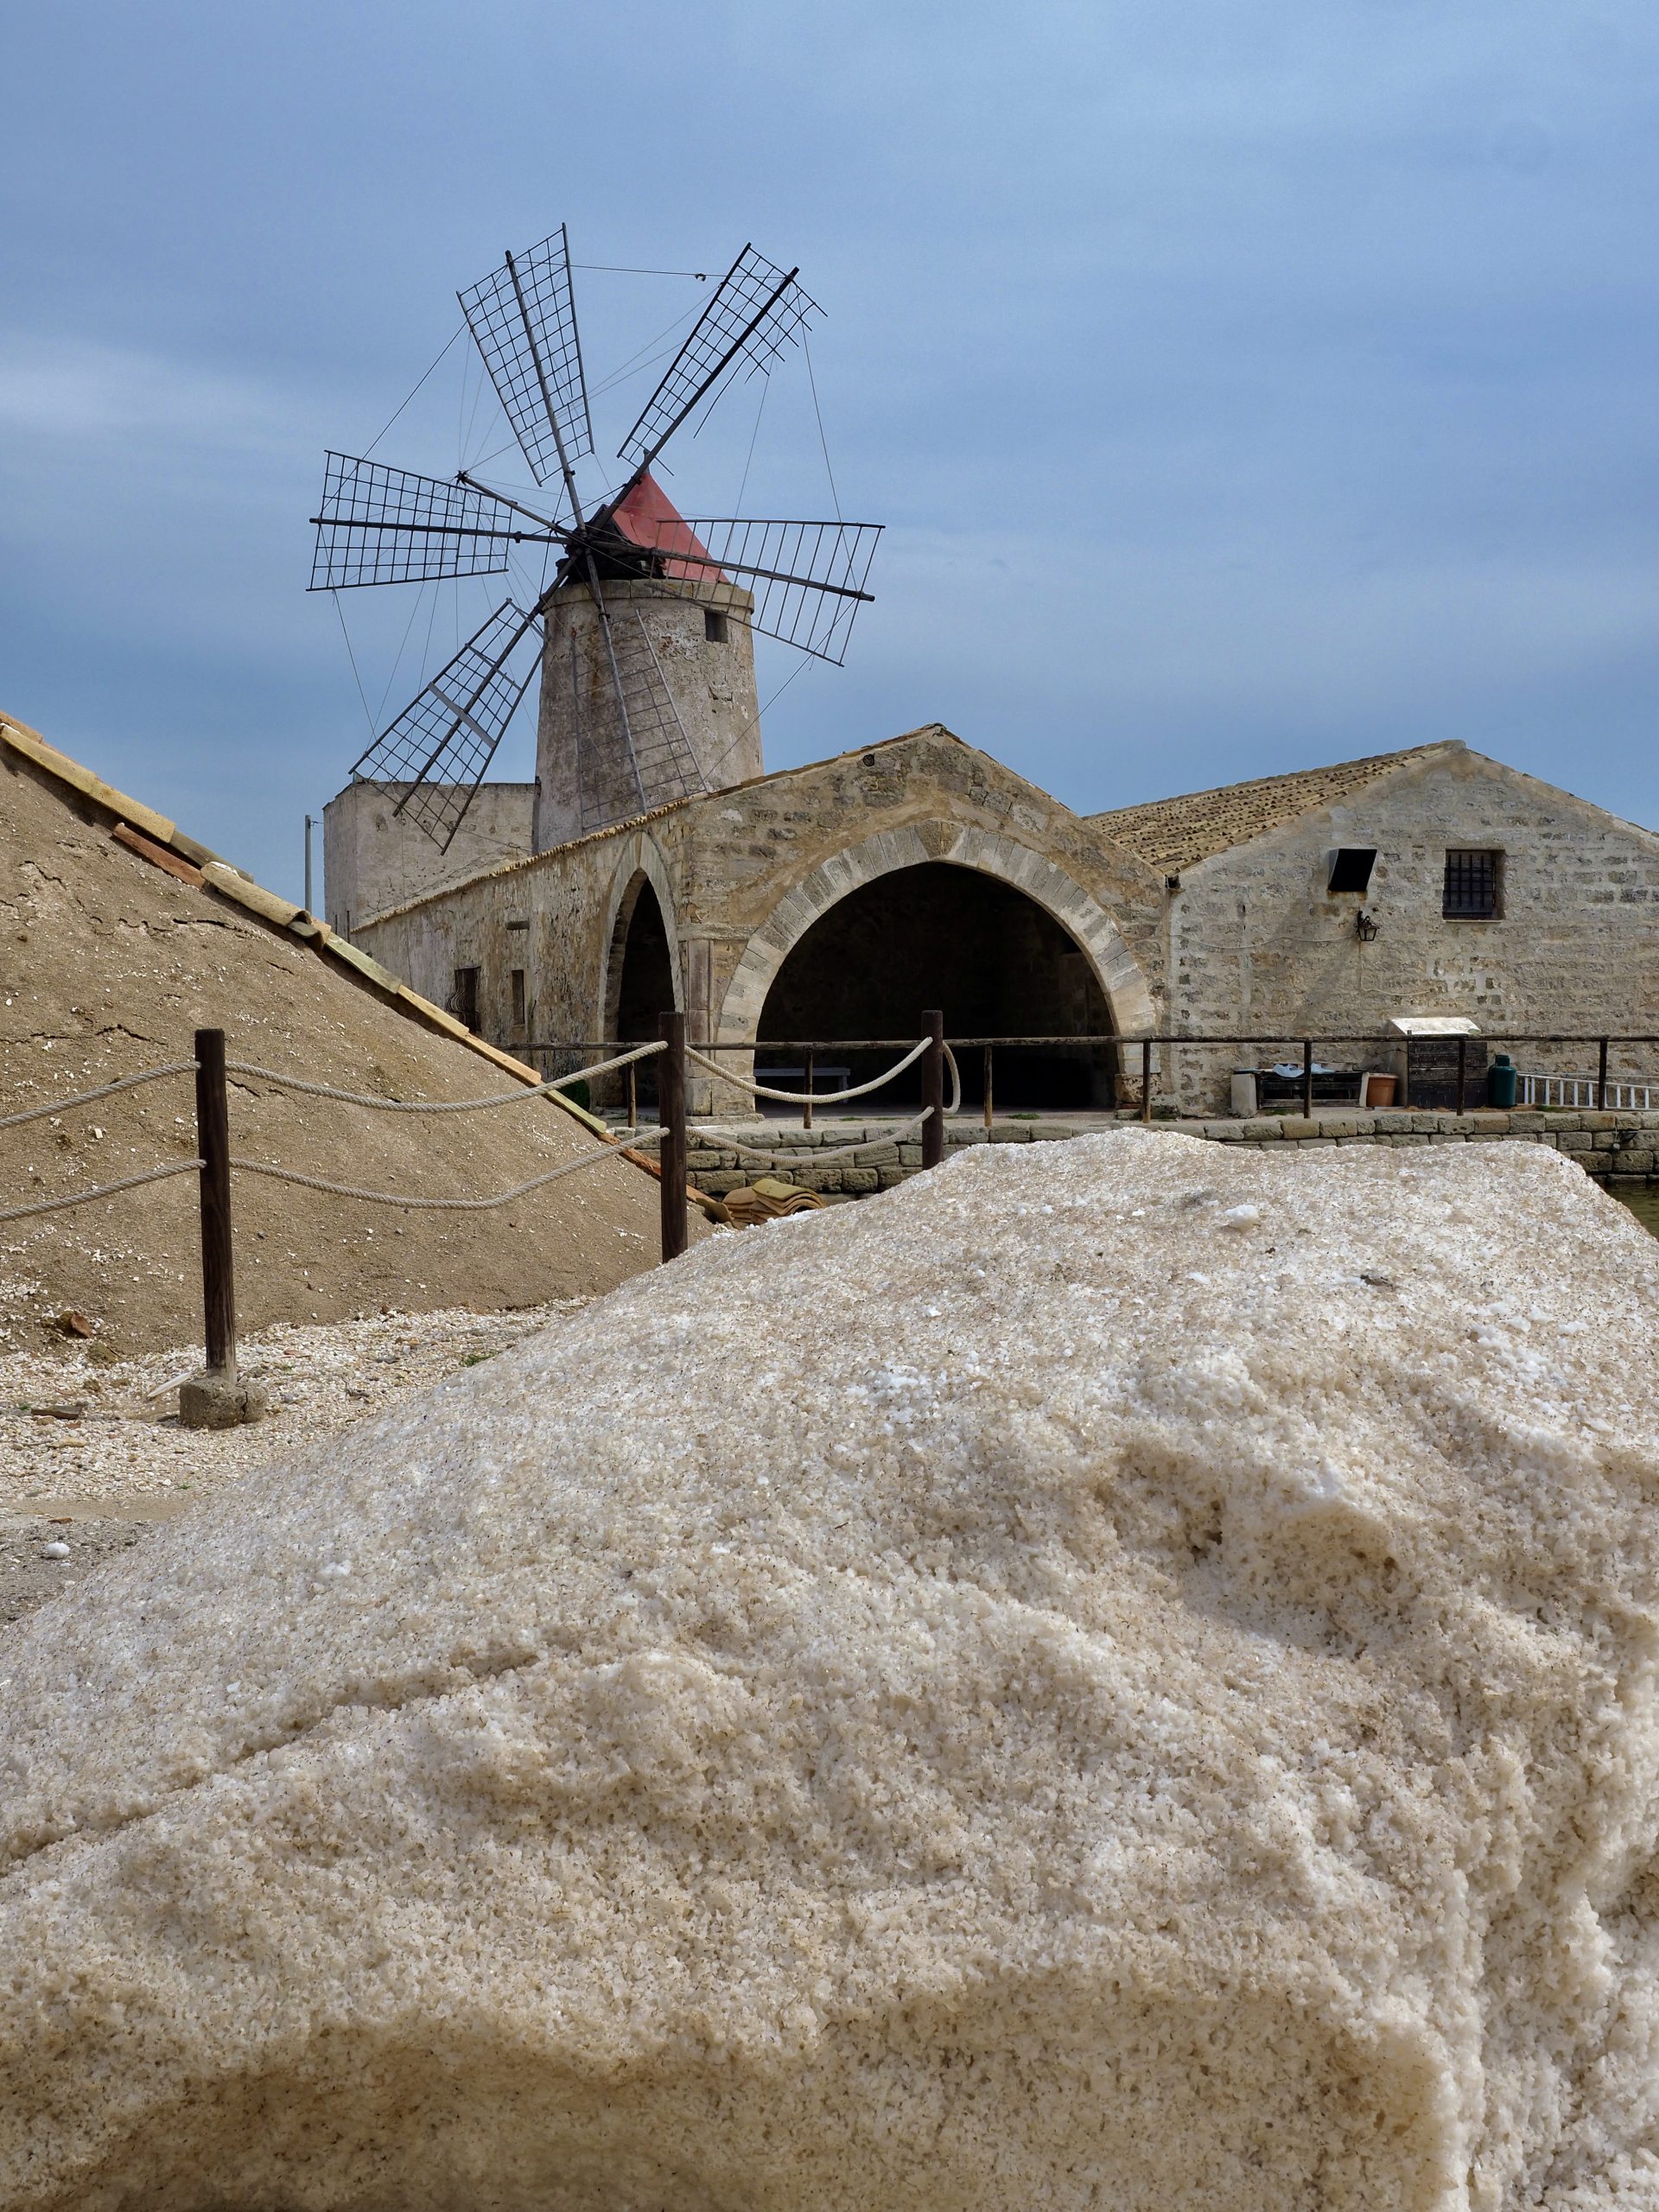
(807, 578)
(381, 525)
(758, 309)
(523, 316)
(445, 739)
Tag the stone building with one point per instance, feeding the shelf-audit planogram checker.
(839, 900)
(1429, 883)
(835, 900)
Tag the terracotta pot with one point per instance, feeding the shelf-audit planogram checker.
(1380, 1089)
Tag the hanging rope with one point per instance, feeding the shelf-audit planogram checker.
(439, 1106)
(439, 1205)
(103, 1190)
(88, 1098)
(812, 1097)
(809, 1155)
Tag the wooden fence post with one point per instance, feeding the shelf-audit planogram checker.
(933, 1089)
(988, 1109)
(1601, 1077)
(670, 1098)
(217, 1398)
(1146, 1078)
(1463, 1069)
(213, 1143)
(806, 1110)
(1307, 1078)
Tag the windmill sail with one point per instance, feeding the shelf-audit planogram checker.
(381, 525)
(757, 310)
(523, 316)
(807, 578)
(445, 739)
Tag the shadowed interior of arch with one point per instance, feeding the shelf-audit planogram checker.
(997, 963)
(644, 987)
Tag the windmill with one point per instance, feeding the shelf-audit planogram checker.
(614, 739)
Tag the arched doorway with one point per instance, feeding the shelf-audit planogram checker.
(937, 934)
(645, 973)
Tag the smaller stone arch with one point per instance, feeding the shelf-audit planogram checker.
(639, 863)
(991, 852)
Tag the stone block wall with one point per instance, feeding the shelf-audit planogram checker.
(374, 858)
(1606, 1145)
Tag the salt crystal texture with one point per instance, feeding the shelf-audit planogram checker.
(1171, 1727)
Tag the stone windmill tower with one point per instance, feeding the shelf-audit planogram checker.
(686, 662)
(646, 627)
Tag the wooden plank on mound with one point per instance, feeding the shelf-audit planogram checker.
(157, 855)
(33, 746)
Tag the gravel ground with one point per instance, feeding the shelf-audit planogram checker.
(110, 1457)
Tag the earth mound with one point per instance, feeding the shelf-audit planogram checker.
(1121, 1674)
(110, 964)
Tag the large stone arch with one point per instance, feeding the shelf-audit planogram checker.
(993, 853)
(639, 862)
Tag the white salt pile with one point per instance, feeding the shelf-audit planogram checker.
(1121, 1676)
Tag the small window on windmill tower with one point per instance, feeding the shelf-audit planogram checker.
(1351, 869)
(466, 1004)
(517, 978)
(714, 625)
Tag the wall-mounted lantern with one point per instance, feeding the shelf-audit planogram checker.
(1365, 927)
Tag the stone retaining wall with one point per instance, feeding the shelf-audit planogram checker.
(1604, 1144)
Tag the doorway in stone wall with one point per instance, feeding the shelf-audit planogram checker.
(998, 964)
(644, 987)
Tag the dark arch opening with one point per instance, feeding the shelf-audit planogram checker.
(938, 935)
(644, 985)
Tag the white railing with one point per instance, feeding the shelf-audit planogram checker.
(1585, 1091)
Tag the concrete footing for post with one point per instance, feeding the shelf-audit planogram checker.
(215, 1400)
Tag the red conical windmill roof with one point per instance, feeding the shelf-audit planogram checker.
(649, 518)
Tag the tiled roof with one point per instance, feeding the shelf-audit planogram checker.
(1176, 833)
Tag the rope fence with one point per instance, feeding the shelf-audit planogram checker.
(216, 1396)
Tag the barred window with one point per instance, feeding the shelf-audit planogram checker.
(465, 996)
(516, 980)
(1471, 886)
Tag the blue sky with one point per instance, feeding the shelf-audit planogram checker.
(1245, 384)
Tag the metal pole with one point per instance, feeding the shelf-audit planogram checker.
(806, 1111)
(307, 864)
(213, 1143)
(1601, 1077)
(988, 1086)
(1463, 1068)
(933, 1089)
(1405, 1080)
(1308, 1077)
(633, 1094)
(671, 1112)
(1146, 1078)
